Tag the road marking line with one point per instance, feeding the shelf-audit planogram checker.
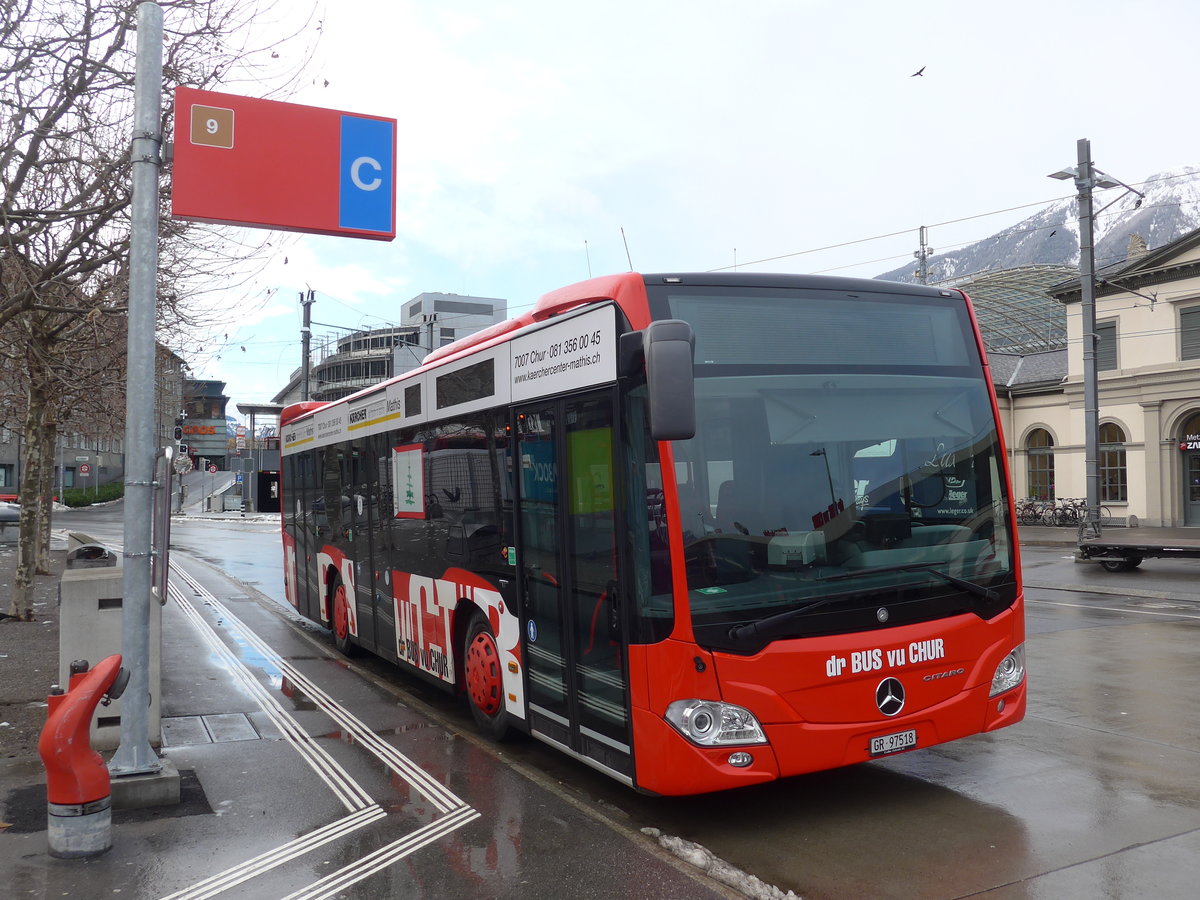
(459, 813)
(429, 787)
(352, 795)
(333, 884)
(264, 862)
(1140, 612)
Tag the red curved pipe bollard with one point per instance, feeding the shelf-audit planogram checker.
(78, 788)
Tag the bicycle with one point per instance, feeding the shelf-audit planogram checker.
(1069, 511)
(1030, 511)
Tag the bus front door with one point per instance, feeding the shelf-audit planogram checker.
(571, 617)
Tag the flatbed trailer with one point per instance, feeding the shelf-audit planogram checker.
(1123, 549)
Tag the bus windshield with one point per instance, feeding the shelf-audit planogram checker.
(846, 470)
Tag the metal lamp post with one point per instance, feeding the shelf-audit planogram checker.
(1087, 178)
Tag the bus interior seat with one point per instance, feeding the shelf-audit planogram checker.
(730, 507)
(693, 515)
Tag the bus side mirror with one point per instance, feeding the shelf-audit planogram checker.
(669, 346)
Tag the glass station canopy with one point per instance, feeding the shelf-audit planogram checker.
(1015, 313)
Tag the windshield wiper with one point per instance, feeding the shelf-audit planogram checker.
(970, 587)
(750, 629)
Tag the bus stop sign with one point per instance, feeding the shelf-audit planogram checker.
(266, 164)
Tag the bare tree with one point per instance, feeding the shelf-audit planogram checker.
(65, 128)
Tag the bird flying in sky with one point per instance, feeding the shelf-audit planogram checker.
(920, 71)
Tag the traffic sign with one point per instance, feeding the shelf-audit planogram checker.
(212, 469)
(267, 164)
(85, 469)
(239, 478)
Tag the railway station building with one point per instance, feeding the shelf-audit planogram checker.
(1148, 375)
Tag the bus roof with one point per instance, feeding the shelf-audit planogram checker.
(628, 290)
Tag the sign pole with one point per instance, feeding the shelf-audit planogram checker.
(135, 756)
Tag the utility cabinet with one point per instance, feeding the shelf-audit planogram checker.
(90, 610)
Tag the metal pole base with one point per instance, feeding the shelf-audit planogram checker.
(80, 830)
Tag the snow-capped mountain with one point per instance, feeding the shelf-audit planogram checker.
(1171, 208)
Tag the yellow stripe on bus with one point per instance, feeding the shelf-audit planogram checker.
(387, 418)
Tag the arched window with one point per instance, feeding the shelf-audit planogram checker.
(1190, 427)
(1040, 448)
(1114, 485)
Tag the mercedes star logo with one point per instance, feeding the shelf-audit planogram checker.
(889, 696)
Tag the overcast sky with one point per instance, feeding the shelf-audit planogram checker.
(712, 133)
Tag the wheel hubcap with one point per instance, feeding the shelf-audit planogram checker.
(483, 674)
(341, 615)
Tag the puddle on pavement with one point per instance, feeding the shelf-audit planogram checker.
(300, 700)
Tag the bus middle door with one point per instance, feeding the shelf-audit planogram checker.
(571, 619)
(363, 520)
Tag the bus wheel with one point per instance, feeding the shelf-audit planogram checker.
(484, 679)
(341, 621)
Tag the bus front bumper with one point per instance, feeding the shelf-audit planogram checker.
(669, 764)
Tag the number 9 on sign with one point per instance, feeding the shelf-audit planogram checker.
(212, 126)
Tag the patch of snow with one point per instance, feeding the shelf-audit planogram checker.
(716, 868)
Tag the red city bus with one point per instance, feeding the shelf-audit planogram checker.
(697, 531)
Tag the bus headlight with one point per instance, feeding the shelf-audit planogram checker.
(711, 723)
(1010, 672)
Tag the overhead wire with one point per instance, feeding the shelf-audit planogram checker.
(515, 308)
(955, 221)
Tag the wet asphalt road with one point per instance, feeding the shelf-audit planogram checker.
(1095, 794)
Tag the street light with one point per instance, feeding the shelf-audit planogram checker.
(1099, 179)
(1087, 178)
(828, 474)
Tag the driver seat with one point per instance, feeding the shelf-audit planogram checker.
(731, 507)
